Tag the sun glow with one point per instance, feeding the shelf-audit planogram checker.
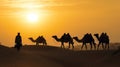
(32, 17)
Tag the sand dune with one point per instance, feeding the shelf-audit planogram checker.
(41, 56)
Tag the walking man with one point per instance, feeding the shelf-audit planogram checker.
(18, 42)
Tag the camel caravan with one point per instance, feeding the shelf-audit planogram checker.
(87, 39)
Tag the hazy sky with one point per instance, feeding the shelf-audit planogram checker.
(56, 17)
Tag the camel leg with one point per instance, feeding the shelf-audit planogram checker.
(91, 46)
(86, 46)
(72, 45)
(62, 45)
(94, 45)
(37, 43)
(45, 44)
(69, 44)
(82, 46)
(108, 46)
(103, 46)
(98, 45)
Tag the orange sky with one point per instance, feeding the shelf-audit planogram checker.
(58, 16)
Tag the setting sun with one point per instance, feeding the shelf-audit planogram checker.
(32, 17)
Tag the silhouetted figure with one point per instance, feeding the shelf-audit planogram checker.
(18, 42)
(103, 40)
(40, 39)
(65, 38)
(87, 38)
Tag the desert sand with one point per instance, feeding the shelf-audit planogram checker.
(50, 56)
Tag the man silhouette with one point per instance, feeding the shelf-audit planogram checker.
(18, 41)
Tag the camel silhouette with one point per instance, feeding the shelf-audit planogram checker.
(66, 38)
(40, 39)
(86, 39)
(103, 39)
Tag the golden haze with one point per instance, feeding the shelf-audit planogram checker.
(54, 17)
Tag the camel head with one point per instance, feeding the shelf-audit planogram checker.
(31, 39)
(75, 37)
(97, 35)
(54, 36)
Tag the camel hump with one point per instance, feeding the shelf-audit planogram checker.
(63, 36)
(104, 37)
(88, 37)
(40, 38)
(66, 36)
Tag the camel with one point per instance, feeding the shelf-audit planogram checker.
(103, 39)
(40, 39)
(66, 38)
(86, 39)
